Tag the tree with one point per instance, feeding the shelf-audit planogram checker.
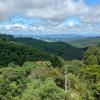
(91, 73)
(56, 61)
(50, 91)
(92, 55)
(91, 60)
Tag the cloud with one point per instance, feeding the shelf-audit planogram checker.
(48, 15)
(47, 9)
(15, 26)
(92, 16)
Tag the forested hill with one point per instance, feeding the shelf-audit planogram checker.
(86, 42)
(18, 53)
(61, 49)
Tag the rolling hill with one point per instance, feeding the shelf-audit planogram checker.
(18, 53)
(86, 42)
(61, 49)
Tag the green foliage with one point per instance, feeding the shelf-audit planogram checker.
(49, 91)
(72, 67)
(96, 90)
(38, 90)
(92, 73)
(91, 60)
(31, 92)
(92, 77)
(92, 55)
(78, 88)
(56, 61)
(13, 81)
(42, 83)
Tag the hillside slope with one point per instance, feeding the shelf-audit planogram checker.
(13, 52)
(86, 42)
(61, 49)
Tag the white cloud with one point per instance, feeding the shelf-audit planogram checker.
(92, 16)
(15, 26)
(54, 12)
(49, 9)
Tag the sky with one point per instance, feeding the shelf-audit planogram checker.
(29, 17)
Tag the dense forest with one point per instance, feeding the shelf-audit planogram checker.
(36, 70)
(61, 49)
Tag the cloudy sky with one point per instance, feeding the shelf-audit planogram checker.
(50, 16)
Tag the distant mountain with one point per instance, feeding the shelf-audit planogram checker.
(58, 37)
(61, 49)
(86, 42)
(51, 37)
(68, 37)
(54, 37)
